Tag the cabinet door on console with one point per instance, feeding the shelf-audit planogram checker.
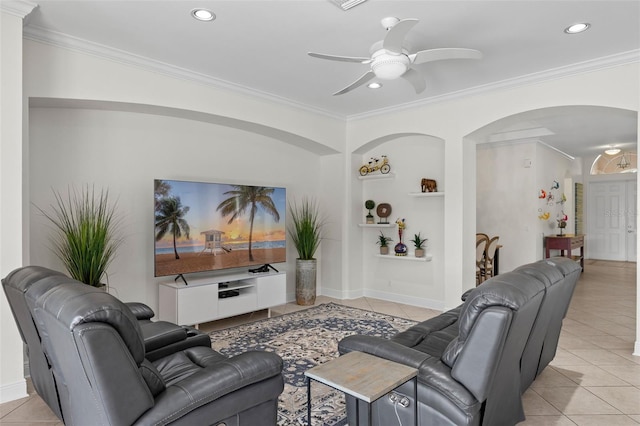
(197, 304)
(272, 291)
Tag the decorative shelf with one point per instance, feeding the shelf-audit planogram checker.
(426, 258)
(426, 194)
(377, 225)
(374, 176)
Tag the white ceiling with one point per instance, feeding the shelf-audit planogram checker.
(261, 47)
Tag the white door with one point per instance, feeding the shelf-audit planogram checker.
(610, 224)
(632, 194)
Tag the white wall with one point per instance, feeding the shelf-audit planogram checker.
(125, 151)
(506, 200)
(412, 282)
(510, 177)
(331, 195)
(455, 120)
(12, 383)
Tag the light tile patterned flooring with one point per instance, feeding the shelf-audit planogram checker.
(593, 380)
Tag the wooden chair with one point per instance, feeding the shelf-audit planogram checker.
(488, 270)
(481, 246)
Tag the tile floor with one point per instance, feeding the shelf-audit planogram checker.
(593, 380)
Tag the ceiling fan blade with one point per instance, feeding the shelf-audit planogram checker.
(359, 82)
(340, 58)
(444, 53)
(416, 80)
(395, 37)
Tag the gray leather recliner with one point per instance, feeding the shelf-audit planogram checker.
(559, 276)
(95, 350)
(479, 392)
(468, 359)
(161, 338)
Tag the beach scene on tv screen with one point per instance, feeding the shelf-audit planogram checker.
(203, 226)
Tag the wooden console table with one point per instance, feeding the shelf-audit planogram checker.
(566, 243)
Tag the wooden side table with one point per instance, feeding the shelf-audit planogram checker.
(363, 376)
(566, 243)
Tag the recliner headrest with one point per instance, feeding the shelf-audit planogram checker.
(564, 264)
(547, 273)
(512, 290)
(22, 278)
(74, 303)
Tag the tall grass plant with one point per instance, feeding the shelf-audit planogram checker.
(86, 233)
(306, 228)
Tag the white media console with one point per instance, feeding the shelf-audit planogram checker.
(212, 298)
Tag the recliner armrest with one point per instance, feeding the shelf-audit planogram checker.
(160, 334)
(213, 382)
(383, 348)
(140, 310)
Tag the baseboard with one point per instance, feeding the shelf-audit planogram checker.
(13, 391)
(437, 305)
(636, 350)
(342, 295)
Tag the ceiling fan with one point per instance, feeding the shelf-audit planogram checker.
(390, 60)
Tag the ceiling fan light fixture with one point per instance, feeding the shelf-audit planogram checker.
(577, 28)
(389, 70)
(203, 14)
(374, 85)
(387, 66)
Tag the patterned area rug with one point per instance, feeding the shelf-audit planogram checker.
(305, 339)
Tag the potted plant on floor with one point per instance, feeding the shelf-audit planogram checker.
(419, 242)
(86, 233)
(383, 242)
(306, 234)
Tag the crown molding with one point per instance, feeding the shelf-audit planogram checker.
(19, 8)
(116, 55)
(105, 52)
(604, 62)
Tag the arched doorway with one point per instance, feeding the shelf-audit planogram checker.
(529, 151)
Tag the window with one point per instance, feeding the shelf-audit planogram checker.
(623, 162)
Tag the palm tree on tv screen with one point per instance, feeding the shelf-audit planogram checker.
(170, 215)
(161, 190)
(248, 197)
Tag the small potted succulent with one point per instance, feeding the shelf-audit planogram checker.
(384, 241)
(369, 204)
(419, 242)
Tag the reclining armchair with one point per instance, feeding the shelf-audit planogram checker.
(94, 349)
(559, 276)
(161, 338)
(468, 358)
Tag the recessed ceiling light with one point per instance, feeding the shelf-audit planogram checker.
(577, 28)
(374, 85)
(203, 14)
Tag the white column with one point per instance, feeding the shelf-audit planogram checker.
(636, 349)
(12, 382)
(459, 218)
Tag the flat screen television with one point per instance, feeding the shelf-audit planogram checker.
(202, 226)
